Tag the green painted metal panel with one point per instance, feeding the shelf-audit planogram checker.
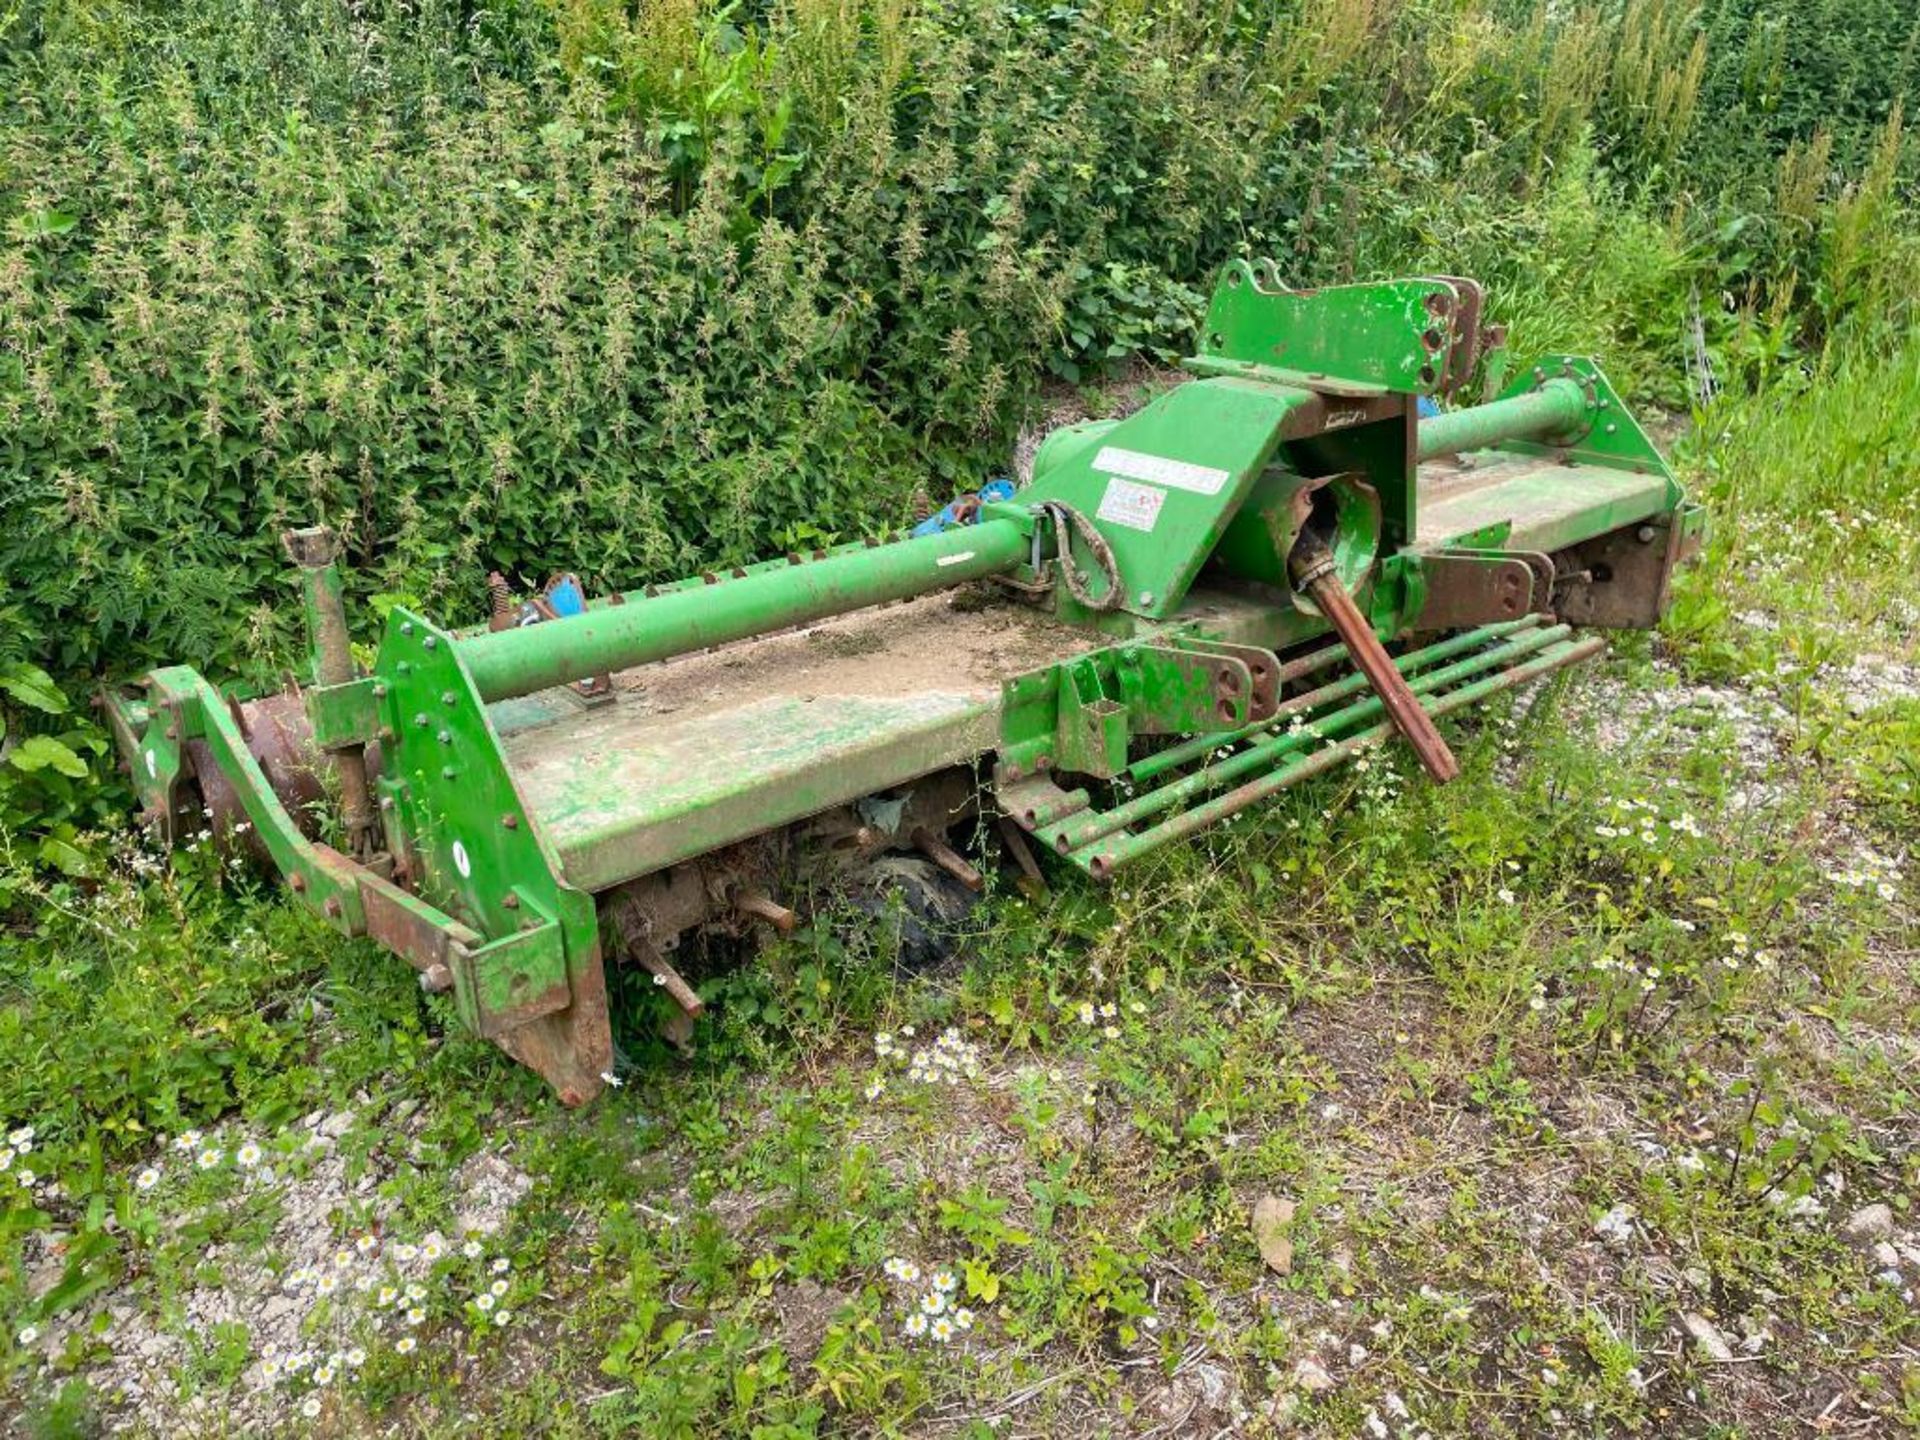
(623, 791)
(1536, 504)
(1382, 335)
(1163, 484)
(471, 843)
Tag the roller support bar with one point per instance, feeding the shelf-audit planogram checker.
(1557, 407)
(507, 663)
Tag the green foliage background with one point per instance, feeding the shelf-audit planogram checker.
(630, 286)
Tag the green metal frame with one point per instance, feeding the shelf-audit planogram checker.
(1300, 394)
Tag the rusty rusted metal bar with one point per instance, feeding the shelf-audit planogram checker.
(765, 907)
(933, 845)
(314, 552)
(1314, 572)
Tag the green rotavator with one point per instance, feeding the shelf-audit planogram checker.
(1132, 647)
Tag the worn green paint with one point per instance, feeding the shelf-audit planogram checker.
(1293, 766)
(181, 701)
(472, 844)
(1537, 503)
(507, 806)
(1163, 484)
(1263, 748)
(1082, 714)
(345, 714)
(1556, 407)
(624, 792)
(606, 638)
(1381, 335)
(1537, 415)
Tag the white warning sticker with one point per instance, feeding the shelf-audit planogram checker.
(959, 557)
(1135, 506)
(1200, 479)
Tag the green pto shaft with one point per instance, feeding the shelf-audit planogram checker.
(644, 628)
(1558, 407)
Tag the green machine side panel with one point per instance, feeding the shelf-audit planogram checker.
(1162, 484)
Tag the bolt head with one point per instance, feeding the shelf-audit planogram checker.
(332, 907)
(510, 822)
(436, 979)
(511, 901)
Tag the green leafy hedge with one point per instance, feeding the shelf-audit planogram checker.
(630, 290)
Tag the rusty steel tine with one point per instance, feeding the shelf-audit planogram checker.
(1314, 572)
(936, 849)
(667, 977)
(765, 907)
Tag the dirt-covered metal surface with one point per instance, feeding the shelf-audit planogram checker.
(710, 748)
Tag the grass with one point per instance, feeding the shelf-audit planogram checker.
(1596, 1051)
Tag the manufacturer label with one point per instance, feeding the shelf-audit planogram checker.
(1200, 479)
(1135, 506)
(959, 557)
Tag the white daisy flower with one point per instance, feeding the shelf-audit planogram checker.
(933, 1303)
(29, 1334)
(944, 1281)
(498, 1289)
(404, 1345)
(505, 1317)
(248, 1155)
(471, 1249)
(147, 1178)
(502, 1265)
(941, 1329)
(310, 1407)
(355, 1358)
(963, 1317)
(416, 1315)
(916, 1325)
(367, 1243)
(209, 1157)
(485, 1301)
